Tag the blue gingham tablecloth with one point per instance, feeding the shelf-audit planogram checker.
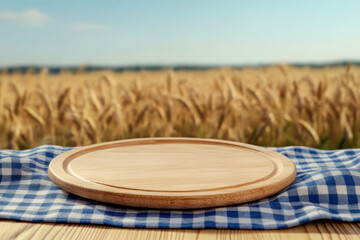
(327, 186)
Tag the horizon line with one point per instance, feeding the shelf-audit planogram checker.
(302, 63)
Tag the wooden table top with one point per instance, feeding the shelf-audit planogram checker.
(313, 230)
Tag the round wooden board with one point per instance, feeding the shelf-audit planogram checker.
(172, 173)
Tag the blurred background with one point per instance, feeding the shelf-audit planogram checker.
(273, 73)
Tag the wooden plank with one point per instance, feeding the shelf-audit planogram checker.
(314, 230)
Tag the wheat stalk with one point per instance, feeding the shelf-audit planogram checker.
(310, 130)
(35, 117)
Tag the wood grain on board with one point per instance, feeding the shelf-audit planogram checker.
(173, 173)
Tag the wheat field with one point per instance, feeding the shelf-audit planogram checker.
(267, 106)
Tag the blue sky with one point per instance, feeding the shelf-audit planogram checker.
(178, 32)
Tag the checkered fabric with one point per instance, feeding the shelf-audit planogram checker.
(327, 186)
